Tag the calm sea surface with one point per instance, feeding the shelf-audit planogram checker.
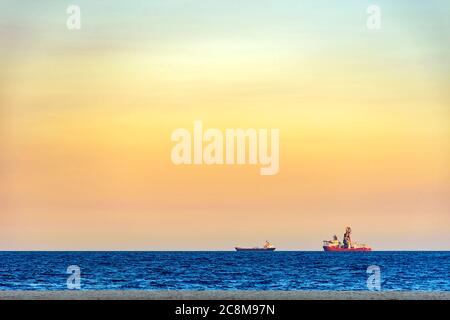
(289, 270)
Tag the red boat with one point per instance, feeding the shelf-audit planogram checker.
(331, 248)
(348, 245)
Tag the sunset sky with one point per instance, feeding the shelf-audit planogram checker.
(86, 118)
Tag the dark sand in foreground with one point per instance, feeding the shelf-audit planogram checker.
(222, 295)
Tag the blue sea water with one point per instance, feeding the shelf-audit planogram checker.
(289, 270)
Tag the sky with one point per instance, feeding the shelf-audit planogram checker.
(86, 118)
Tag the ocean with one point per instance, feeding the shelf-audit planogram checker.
(220, 270)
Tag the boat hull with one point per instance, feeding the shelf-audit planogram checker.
(254, 249)
(337, 249)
